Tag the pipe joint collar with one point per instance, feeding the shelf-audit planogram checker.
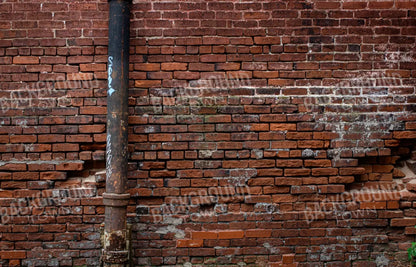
(115, 200)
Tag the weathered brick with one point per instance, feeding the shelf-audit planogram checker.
(401, 222)
(230, 234)
(283, 127)
(13, 254)
(204, 235)
(53, 176)
(65, 147)
(189, 243)
(26, 60)
(263, 233)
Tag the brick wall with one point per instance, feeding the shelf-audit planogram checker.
(262, 133)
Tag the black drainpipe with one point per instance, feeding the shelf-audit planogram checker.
(115, 239)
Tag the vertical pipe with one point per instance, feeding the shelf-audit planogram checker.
(115, 251)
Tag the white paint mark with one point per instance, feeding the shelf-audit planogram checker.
(22, 123)
(272, 249)
(150, 129)
(110, 79)
(258, 153)
(29, 147)
(171, 229)
(109, 171)
(382, 261)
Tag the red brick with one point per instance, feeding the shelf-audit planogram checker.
(288, 258)
(79, 59)
(201, 67)
(13, 254)
(53, 176)
(265, 163)
(14, 262)
(406, 4)
(351, 171)
(65, 147)
(404, 135)
(147, 83)
(267, 40)
(355, 5)
(204, 182)
(147, 66)
(80, 138)
(93, 110)
(69, 166)
(283, 145)
(80, 76)
(215, 41)
(23, 138)
(283, 127)
(5, 176)
(213, 58)
(189, 243)
(92, 128)
(373, 205)
(180, 164)
(341, 179)
(26, 60)
(258, 199)
(201, 235)
(256, 15)
(307, 189)
(25, 176)
(259, 233)
(297, 172)
(231, 234)
(331, 189)
(265, 74)
(174, 66)
(400, 222)
(310, 144)
(324, 171)
(51, 138)
(92, 67)
(284, 198)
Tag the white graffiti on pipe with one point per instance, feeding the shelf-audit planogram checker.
(110, 79)
(109, 171)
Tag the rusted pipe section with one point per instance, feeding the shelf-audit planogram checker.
(115, 250)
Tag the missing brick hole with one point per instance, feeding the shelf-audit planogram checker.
(207, 208)
(92, 146)
(394, 171)
(142, 210)
(92, 151)
(91, 167)
(407, 162)
(83, 183)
